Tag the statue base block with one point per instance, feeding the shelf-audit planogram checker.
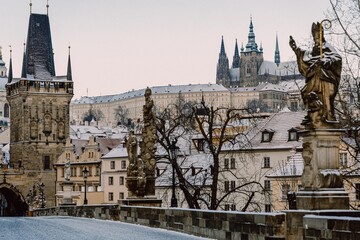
(67, 194)
(150, 201)
(323, 199)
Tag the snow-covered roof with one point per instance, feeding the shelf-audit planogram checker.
(293, 85)
(85, 132)
(280, 123)
(284, 68)
(270, 87)
(155, 90)
(118, 152)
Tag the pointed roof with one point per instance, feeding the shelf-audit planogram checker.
(251, 45)
(236, 58)
(222, 48)
(277, 51)
(23, 72)
(69, 74)
(10, 76)
(39, 52)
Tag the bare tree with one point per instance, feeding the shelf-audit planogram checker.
(122, 116)
(215, 132)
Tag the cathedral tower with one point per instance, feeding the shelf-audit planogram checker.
(39, 104)
(222, 71)
(251, 60)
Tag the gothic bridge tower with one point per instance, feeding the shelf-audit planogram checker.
(39, 108)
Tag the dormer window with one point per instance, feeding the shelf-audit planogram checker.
(267, 135)
(293, 135)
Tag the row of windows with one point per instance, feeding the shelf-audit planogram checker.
(229, 186)
(111, 180)
(267, 135)
(78, 171)
(111, 196)
(232, 163)
(123, 164)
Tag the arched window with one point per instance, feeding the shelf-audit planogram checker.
(6, 110)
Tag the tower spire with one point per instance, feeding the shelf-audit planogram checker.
(23, 72)
(0, 53)
(236, 58)
(222, 48)
(251, 45)
(222, 71)
(47, 7)
(277, 52)
(69, 74)
(10, 76)
(30, 4)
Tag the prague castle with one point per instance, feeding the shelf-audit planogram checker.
(249, 68)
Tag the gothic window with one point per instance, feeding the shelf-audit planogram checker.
(47, 163)
(6, 110)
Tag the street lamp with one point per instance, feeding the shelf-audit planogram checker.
(42, 189)
(85, 175)
(173, 152)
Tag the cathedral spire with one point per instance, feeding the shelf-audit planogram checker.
(69, 74)
(236, 58)
(10, 76)
(251, 46)
(277, 51)
(0, 53)
(222, 48)
(222, 71)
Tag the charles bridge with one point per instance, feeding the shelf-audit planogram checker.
(291, 224)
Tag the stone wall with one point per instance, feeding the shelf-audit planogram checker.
(295, 224)
(335, 227)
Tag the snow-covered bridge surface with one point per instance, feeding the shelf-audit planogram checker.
(68, 228)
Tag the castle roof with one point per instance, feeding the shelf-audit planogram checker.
(169, 89)
(283, 69)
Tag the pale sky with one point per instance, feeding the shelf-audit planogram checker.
(120, 45)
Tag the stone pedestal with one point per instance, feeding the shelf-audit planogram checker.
(322, 181)
(67, 194)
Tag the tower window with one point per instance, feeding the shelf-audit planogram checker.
(47, 163)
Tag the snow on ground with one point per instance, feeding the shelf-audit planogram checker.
(71, 228)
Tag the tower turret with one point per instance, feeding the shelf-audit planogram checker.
(251, 45)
